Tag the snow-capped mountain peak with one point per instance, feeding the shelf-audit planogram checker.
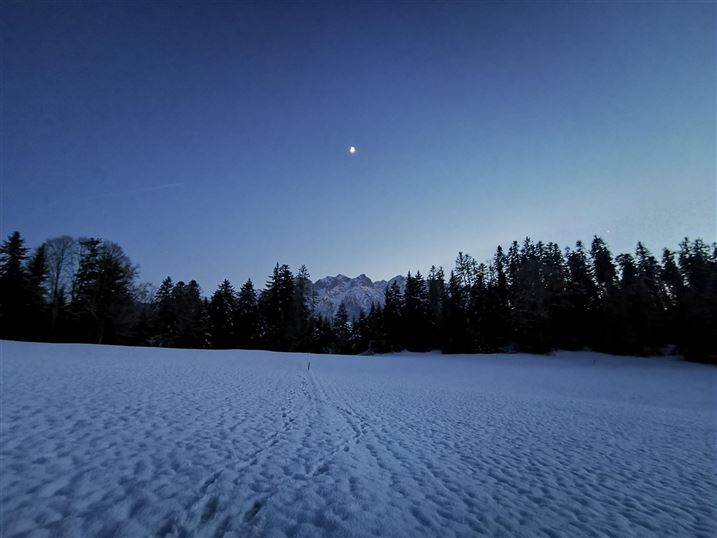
(358, 294)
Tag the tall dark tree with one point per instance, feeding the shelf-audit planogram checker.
(102, 302)
(627, 304)
(193, 323)
(672, 293)
(497, 322)
(16, 295)
(417, 314)
(608, 330)
(164, 315)
(300, 330)
(222, 314)
(603, 266)
(581, 296)
(277, 307)
(247, 317)
(37, 294)
(649, 307)
(342, 330)
(476, 310)
(698, 301)
(393, 326)
(436, 285)
(554, 276)
(361, 334)
(530, 299)
(454, 310)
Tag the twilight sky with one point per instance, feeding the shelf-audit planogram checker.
(211, 140)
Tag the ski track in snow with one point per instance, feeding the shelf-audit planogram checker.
(114, 441)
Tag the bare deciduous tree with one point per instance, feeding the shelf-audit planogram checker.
(62, 259)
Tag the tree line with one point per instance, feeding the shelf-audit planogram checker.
(533, 297)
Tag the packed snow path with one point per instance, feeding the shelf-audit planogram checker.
(112, 441)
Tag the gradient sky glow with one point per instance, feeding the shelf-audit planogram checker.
(211, 140)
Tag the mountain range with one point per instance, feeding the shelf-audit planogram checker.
(358, 294)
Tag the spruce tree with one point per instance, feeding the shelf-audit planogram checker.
(277, 309)
(476, 311)
(650, 319)
(608, 329)
(417, 321)
(102, 301)
(393, 318)
(164, 316)
(301, 315)
(436, 285)
(698, 301)
(247, 317)
(222, 315)
(454, 311)
(15, 289)
(530, 299)
(192, 320)
(498, 316)
(361, 334)
(342, 330)
(581, 298)
(37, 295)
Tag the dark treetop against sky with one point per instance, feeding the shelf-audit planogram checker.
(211, 140)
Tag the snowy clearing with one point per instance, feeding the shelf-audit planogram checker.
(116, 441)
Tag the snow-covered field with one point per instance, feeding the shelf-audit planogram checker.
(113, 441)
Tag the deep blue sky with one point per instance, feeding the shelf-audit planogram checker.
(210, 140)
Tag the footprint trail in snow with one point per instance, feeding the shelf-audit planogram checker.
(113, 441)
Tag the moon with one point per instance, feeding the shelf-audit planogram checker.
(352, 149)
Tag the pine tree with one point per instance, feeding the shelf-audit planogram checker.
(607, 331)
(436, 286)
(416, 314)
(627, 299)
(164, 316)
(476, 311)
(102, 302)
(15, 289)
(529, 297)
(37, 272)
(376, 335)
(455, 339)
(360, 341)
(37, 294)
(603, 266)
(222, 314)
(247, 317)
(650, 319)
(301, 315)
(581, 298)
(698, 301)
(496, 324)
(342, 330)
(554, 277)
(192, 320)
(393, 318)
(277, 308)
(466, 267)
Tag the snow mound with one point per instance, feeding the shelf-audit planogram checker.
(114, 441)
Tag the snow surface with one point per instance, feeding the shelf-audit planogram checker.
(114, 441)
